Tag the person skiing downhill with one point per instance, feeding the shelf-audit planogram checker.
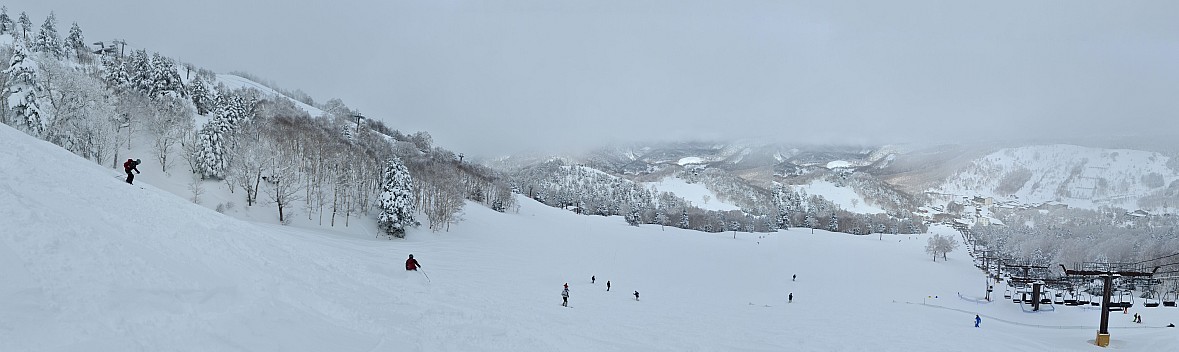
(607, 285)
(565, 296)
(977, 320)
(593, 278)
(636, 295)
(790, 299)
(128, 166)
(412, 264)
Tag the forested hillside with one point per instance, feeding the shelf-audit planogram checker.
(228, 132)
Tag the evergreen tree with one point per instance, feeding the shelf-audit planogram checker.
(5, 21)
(396, 200)
(684, 224)
(76, 43)
(139, 67)
(23, 92)
(164, 77)
(201, 97)
(115, 75)
(25, 25)
(632, 218)
(47, 40)
(833, 226)
(210, 158)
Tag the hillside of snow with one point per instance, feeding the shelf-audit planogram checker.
(1078, 176)
(91, 263)
(696, 193)
(237, 82)
(845, 197)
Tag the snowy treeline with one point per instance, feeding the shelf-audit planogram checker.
(1069, 235)
(330, 168)
(592, 192)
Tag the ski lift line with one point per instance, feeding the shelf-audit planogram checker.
(1159, 258)
(1059, 327)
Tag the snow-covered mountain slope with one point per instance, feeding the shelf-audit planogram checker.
(93, 264)
(1077, 176)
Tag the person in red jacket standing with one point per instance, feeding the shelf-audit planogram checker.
(412, 264)
(128, 166)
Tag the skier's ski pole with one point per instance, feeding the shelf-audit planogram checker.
(424, 274)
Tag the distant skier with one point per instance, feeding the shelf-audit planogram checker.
(794, 277)
(593, 278)
(412, 264)
(565, 296)
(790, 298)
(607, 285)
(128, 166)
(977, 320)
(636, 295)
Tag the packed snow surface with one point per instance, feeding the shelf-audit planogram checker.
(91, 263)
(690, 160)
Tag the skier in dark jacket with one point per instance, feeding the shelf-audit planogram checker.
(607, 285)
(977, 320)
(412, 264)
(636, 295)
(565, 296)
(128, 166)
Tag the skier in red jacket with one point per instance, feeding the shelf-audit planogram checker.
(412, 264)
(128, 166)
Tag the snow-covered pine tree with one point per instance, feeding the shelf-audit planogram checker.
(115, 75)
(396, 200)
(164, 77)
(140, 69)
(48, 41)
(684, 224)
(201, 97)
(833, 226)
(26, 25)
(632, 217)
(210, 158)
(76, 44)
(23, 92)
(6, 25)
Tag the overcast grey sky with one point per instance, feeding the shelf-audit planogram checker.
(489, 77)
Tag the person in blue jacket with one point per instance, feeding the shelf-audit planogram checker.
(977, 320)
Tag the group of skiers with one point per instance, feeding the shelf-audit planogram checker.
(593, 280)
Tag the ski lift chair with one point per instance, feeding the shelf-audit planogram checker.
(1151, 300)
(1070, 298)
(1169, 299)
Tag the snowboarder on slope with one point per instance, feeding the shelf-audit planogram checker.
(128, 166)
(636, 295)
(977, 320)
(412, 264)
(565, 296)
